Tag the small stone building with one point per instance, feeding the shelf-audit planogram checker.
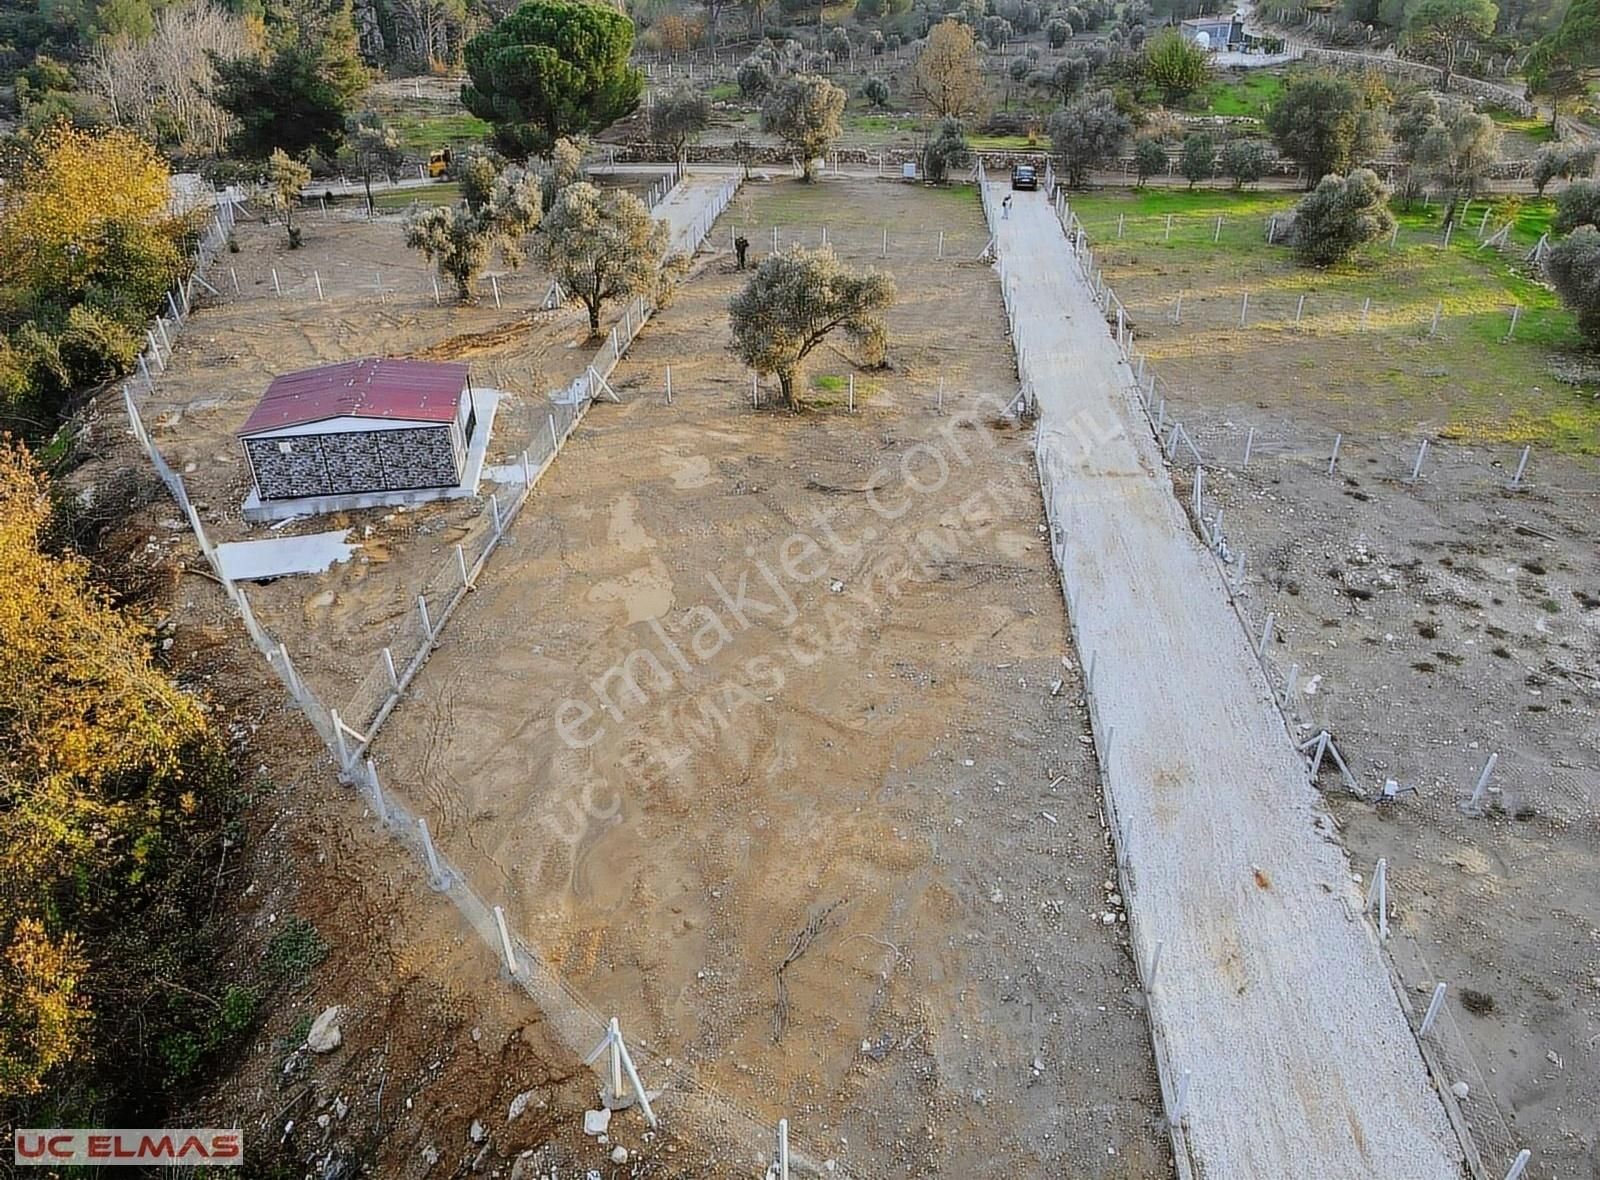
(375, 425)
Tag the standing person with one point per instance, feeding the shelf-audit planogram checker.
(1005, 208)
(741, 244)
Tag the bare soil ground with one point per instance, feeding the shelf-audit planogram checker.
(237, 343)
(1433, 623)
(832, 840)
(426, 1047)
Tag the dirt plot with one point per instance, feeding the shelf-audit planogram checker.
(1433, 623)
(766, 731)
(377, 299)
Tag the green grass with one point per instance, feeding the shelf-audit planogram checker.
(723, 92)
(1534, 128)
(420, 134)
(791, 203)
(445, 193)
(1468, 383)
(1250, 96)
(995, 143)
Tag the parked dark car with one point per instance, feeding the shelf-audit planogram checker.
(1023, 176)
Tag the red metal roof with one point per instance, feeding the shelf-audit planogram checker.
(372, 387)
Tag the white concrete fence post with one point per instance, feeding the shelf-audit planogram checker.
(1378, 896)
(340, 744)
(1483, 782)
(296, 689)
(1432, 1014)
(1522, 465)
(436, 877)
(505, 942)
(378, 804)
(1416, 469)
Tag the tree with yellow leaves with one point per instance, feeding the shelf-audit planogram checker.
(88, 248)
(102, 759)
(58, 222)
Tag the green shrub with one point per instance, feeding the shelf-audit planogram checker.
(1576, 205)
(1574, 269)
(95, 347)
(1341, 214)
(294, 950)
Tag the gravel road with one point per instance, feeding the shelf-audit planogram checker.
(1271, 992)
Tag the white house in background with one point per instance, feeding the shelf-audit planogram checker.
(365, 433)
(1217, 33)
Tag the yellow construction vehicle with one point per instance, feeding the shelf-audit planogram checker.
(438, 162)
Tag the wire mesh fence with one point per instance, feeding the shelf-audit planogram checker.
(717, 1125)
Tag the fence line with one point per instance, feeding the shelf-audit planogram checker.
(1441, 1049)
(577, 1022)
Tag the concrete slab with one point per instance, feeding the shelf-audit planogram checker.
(276, 557)
(1272, 992)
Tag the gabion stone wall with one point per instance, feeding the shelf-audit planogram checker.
(361, 461)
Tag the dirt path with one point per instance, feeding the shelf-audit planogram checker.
(1271, 992)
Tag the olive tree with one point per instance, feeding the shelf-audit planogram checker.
(805, 112)
(1577, 205)
(876, 91)
(1340, 215)
(758, 73)
(1198, 161)
(1573, 265)
(1450, 28)
(286, 176)
(1244, 161)
(1149, 159)
(1560, 163)
(795, 299)
(996, 31)
(1457, 155)
(677, 118)
(459, 239)
(1070, 76)
(1087, 133)
(1324, 124)
(947, 149)
(602, 244)
(374, 147)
